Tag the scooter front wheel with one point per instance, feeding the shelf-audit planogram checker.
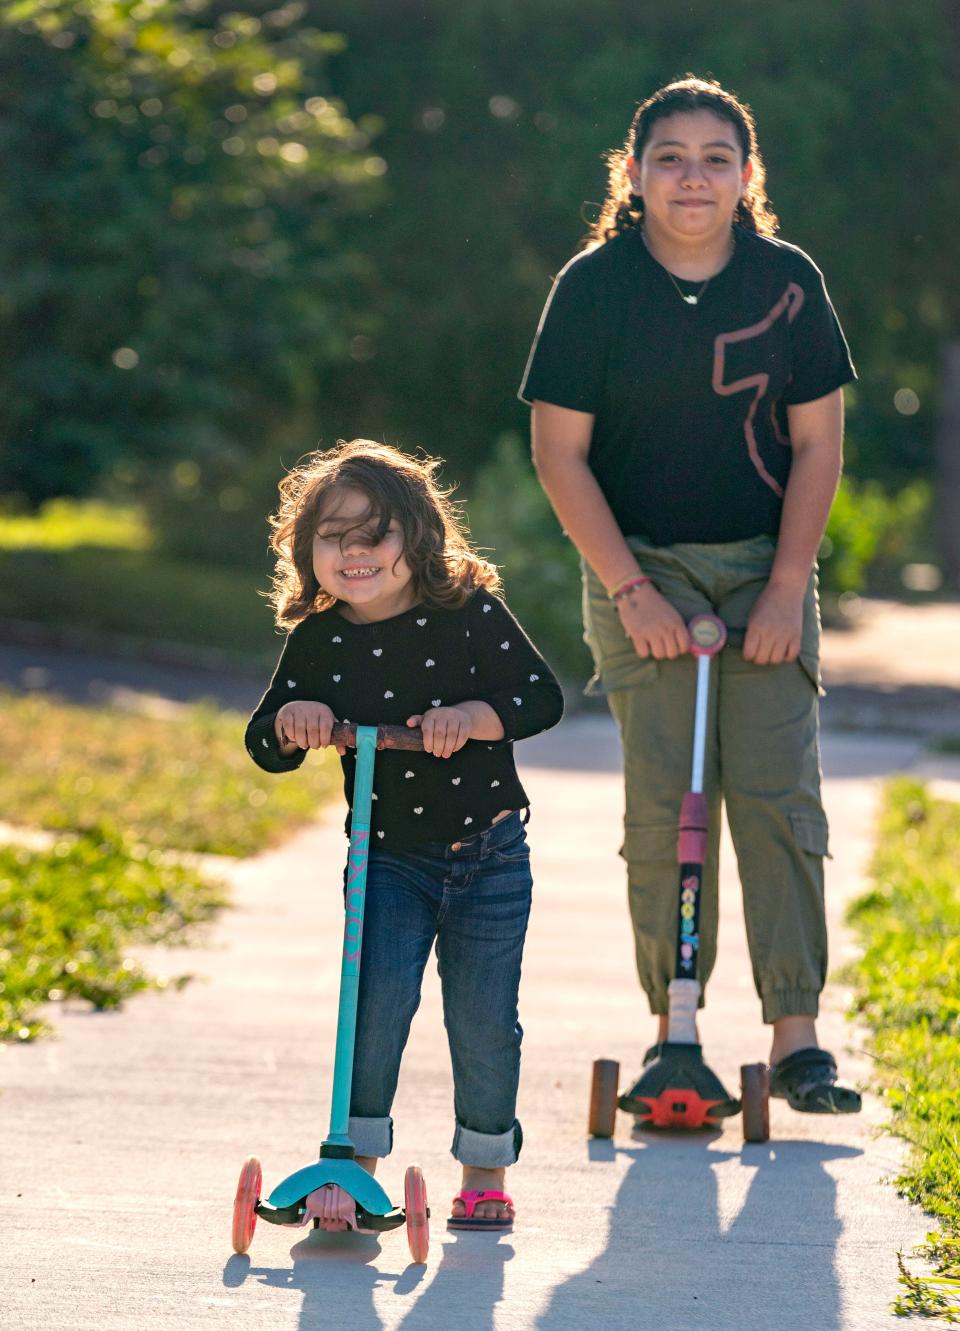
(418, 1219)
(248, 1194)
(755, 1095)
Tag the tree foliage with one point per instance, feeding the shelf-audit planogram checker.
(175, 265)
(208, 267)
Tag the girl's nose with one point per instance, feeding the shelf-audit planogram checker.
(693, 175)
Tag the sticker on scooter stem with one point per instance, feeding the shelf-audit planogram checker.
(688, 943)
(353, 924)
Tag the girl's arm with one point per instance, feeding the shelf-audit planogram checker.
(290, 683)
(561, 447)
(516, 691)
(816, 437)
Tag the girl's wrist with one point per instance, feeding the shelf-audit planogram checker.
(628, 586)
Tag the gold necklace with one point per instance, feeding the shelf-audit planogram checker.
(691, 298)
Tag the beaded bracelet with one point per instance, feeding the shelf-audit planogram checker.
(627, 587)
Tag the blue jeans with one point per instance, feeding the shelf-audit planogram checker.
(471, 899)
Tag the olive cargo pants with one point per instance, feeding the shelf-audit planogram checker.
(762, 760)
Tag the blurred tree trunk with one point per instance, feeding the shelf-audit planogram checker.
(948, 463)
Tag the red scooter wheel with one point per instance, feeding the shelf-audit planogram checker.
(248, 1194)
(603, 1097)
(418, 1219)
(755, 1095)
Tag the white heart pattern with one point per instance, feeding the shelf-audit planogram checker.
(374, 796)
(419, 809)
(518, 701)
(339, 639)
(534, 678)
(494, 783)
(408, 775)
(265, 744)
(420, 623)
(473, 670)
(504, 646)
(389, 693)
(336, 679)
(380, 834)
(291, 683)
(487, 609)
(435, 702)
(455, 780)
(467, 822)
(429, 661)
(378, 651)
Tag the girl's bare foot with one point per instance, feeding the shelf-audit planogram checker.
(483, 1180)
(791, 1034)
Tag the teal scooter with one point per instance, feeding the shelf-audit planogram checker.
(291, 1202)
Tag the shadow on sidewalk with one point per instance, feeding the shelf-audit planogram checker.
(336, 1274)
(673, 1258)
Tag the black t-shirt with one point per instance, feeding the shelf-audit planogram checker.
(690, 432)
(379, 674)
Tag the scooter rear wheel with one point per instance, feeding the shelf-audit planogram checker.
(603, 1097)
(415, 1207)
(248, 1194)
(755, 1094)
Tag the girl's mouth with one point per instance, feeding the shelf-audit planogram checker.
(366, 571)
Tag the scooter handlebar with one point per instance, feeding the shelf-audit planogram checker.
(388, 737)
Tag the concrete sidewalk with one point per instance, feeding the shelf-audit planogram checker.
(122, 1140)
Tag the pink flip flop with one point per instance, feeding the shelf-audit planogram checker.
(470, 1197)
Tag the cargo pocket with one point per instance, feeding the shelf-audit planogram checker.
(811, 834)
(810, 665)
(649, 843)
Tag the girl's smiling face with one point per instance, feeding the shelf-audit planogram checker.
(351, 561)
(691, 174)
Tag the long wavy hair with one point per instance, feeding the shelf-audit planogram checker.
(622, 209)
(435, 543)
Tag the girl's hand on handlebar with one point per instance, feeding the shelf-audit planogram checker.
(304, 725)
(652, 624)
(445, 729)
(774, 626)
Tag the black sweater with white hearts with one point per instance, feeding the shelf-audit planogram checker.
(379, 674)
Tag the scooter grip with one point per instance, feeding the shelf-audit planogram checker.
(388, 737)
(694, 821)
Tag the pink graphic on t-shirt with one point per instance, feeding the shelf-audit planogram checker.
(791, 301)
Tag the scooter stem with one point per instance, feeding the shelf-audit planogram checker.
(354, 900)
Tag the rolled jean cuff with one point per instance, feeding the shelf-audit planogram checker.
(371, 1136)
(487, 1150)
(779, 1003)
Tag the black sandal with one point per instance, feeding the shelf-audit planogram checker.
(807, 1081)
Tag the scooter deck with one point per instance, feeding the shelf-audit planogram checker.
(678, 1090)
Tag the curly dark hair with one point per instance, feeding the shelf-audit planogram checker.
(622, 209)
(435, 544)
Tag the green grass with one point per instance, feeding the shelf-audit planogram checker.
(140, 596)
(68, 916)
(907, 990)
(124, 795)
(185, 784)
(66, 524)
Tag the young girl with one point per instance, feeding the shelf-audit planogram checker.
(687, 424)
(394, 620)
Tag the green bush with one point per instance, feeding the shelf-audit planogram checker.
(511, 519)
(871, 533)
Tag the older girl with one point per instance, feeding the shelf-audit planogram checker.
(687, 424)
